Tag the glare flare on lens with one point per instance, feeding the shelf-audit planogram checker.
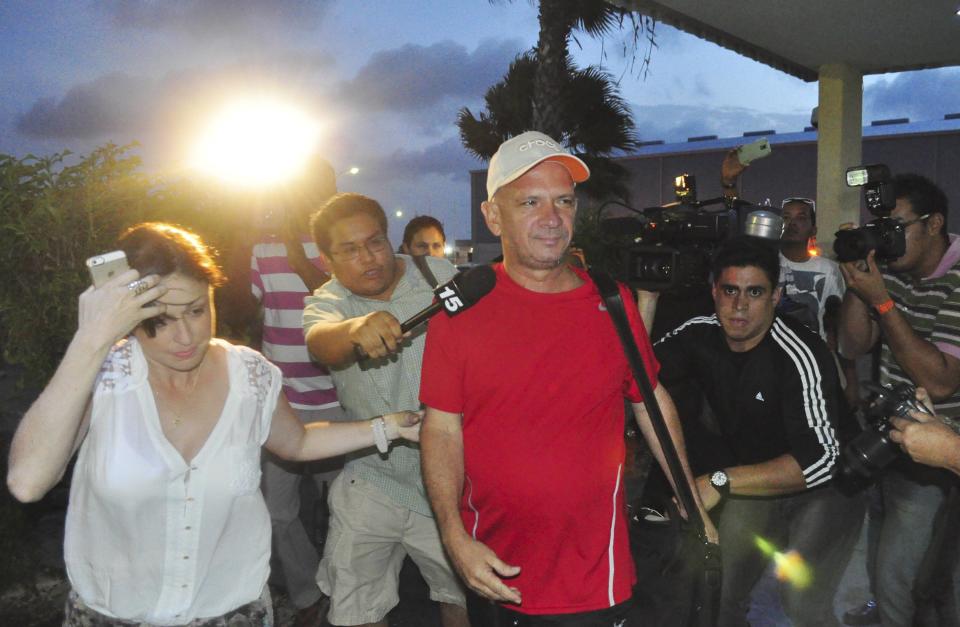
(789, 567)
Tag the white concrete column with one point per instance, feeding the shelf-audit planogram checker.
(839, 146)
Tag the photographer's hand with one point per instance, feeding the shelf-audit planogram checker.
(927, 440)
(867, 284)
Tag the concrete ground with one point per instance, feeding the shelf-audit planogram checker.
(39, 601)
(40, 605)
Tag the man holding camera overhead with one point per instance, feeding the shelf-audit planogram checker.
(912, 305)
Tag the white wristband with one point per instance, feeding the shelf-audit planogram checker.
(380, 434)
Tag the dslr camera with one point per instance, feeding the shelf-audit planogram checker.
(872, 450)
(884, 234)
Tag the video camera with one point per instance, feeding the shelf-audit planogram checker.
(872, 450)
(669, 247)
(884, 234)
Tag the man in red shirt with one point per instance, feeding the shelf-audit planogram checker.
(522, 447)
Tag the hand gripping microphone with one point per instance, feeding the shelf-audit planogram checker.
(460, 292)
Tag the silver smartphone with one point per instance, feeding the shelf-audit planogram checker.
(106, 266)
(751, 152)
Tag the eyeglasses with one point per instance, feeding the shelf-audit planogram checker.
(374, 246)
(810, 202)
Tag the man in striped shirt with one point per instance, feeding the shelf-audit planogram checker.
(773, 387)
(912, 305)
(285, 268)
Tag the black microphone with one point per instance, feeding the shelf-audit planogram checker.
(460, 292)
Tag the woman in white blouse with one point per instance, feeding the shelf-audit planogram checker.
(166, 524)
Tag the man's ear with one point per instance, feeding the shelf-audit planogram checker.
(491, 214)
(935, 223)
(326, 261)
(405, 249)
(777, 291)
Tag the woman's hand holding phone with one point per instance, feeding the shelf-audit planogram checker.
(109, 312)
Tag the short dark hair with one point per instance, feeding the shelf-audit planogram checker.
(163, 249)
(742, 251)
(340, 206)
(420, 223)
(924, 196)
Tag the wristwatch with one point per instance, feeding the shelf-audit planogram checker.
(720, 482)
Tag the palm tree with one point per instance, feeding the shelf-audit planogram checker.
(558, 19)
(596, 122)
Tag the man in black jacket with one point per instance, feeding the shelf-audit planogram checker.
(773, 387)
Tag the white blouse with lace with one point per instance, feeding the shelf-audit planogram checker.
(150, 537)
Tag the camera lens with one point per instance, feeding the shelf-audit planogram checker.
(654, 268)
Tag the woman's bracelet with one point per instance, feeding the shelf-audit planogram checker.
(379, 426)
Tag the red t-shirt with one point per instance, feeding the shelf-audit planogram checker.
(540, 380)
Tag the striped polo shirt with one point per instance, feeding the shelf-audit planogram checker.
(932, 308)
(281, 292)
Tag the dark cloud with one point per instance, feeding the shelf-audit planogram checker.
(112, 103)
(413, 77)
(423, 86)
(213, 18)
(923, 95)
(133, 106)
(675, 123)
(447, 158)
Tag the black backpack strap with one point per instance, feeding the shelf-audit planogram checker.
(610, 293)
(421, 263)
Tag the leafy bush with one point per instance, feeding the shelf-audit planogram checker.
(56, 214)
(54, 217)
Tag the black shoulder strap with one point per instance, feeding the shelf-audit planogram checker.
(707, 596)
(611, 298)
(421, 263)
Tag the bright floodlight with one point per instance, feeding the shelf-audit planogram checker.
(256, 143)
(354, 170)
(399, 213)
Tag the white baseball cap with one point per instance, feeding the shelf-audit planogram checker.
(519, 154)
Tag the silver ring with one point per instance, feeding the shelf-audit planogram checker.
(138, 287)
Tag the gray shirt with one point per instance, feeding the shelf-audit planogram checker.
(390, 384)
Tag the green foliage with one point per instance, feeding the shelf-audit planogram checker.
(57, 211)
(599, 248)
(596, 120)
(55, 216)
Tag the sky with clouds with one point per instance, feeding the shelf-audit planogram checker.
(385, 78)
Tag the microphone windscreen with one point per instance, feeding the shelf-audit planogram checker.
(476, 283)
